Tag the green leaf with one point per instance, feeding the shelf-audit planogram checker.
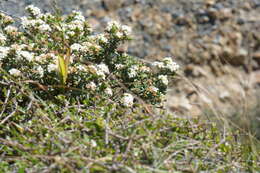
(63, 68)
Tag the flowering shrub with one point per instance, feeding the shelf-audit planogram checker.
(60, 55)
(64, 99)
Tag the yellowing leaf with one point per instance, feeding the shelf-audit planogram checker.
(63, 69)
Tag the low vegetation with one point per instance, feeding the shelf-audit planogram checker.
(70, 102)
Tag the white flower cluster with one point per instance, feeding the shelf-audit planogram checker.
(92, 86)
(44, 28)
(78, 16)
(40, 71)
(119, 66)
(127, 100)
(167, 64)
(6, 19)
(18, 47)
(120, 30)
(26, 23)
(76, 23)
(133, 71)
(126, 29)
(26, 55)
(76, 47)
(102, 38)
(10, 29)
(93, 143)
(35, 11)
(103, 68)
(15, 72)
(35, 23)
(153, 89)
(145, 69)
(163, 79)
(2, 38)
(81, 68)
(52, 67)
(3, 52)
(109, 91)
(113, 24)
(100, 70)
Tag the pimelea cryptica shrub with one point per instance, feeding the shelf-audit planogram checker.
(64, 106)
(59, 55)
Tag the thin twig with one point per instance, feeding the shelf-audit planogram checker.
(10, 115)
(14, 144)
(6, 100)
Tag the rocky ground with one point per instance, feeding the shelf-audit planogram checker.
(217, 42)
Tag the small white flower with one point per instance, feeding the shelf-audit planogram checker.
(170, 65)
(158, 64)
(153, 89)
(71, 33)
(109, 91)
(32, 45)
(93, 143)
(2, 38)
(103, 67)
(81, 68)
(40, 71)
(167, 64)
(102, 38)
(10, 29)
(40, 58)
(47, 15)
(163, 79)
(95, 70)
(119, 34)
(15, 72)
(92, 69)
(38, 22)
(3, 52)
(75, 24)
(119, 66)
(145, 69)
(51, 67)
(18, 47)
(86, 46)
(35, 11)
(127, 100)
(44, 27)
(112, 24)
(78, 15)
(95, 47)
(133, 71)
(101, 74)
(30, 23)
(76, 47)
(92, 86)
(167, 60)
(62, 27)
(26, 22)
(52, 55)
(6, 19)
(126, 29)
(25, 54)
(173, 67)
